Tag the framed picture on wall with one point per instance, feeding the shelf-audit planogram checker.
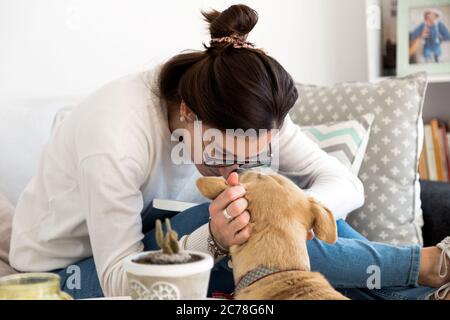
(423, 36)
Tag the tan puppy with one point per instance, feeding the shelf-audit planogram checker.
(274, 262)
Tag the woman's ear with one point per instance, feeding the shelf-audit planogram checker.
(211, 187)
(324, 224)
(186, 112)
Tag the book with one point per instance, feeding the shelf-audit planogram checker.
(437, 149)
(448, 144)
(442, 151)
(423, 166)
(172, 205)
(446, 152)
(431, 161)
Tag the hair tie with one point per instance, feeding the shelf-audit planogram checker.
(237, 42)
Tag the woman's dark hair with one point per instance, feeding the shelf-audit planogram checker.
(228, 87)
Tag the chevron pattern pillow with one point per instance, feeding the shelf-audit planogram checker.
(347, 141)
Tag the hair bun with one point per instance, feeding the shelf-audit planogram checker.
(237, 20)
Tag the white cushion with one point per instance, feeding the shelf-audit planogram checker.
(25, 127)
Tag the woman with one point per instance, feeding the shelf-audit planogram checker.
(87, 207)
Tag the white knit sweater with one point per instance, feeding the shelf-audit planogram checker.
(109, 159)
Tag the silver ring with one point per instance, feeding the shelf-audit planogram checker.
(226, 215)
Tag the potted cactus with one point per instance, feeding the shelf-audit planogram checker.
(170, 273)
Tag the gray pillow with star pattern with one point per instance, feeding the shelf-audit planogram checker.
(392, 209)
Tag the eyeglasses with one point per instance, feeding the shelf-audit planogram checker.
(263, 159)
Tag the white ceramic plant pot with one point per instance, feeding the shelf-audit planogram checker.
(186, 281)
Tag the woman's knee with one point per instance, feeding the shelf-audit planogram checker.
(346, 231)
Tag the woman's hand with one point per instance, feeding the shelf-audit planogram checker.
(234, 231)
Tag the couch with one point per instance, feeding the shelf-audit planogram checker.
(435, 198)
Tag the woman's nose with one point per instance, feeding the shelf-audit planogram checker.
(226, 171)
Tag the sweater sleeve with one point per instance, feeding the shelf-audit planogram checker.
(321, 175)
(112, 203)
(198, 241)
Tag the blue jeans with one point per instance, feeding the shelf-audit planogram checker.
(432, 52)
(348, 264)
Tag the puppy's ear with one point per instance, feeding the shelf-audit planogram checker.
(324, 224)
(211, 187)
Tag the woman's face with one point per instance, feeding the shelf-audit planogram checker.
(226, 146)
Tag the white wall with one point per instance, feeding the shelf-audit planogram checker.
(65, 48)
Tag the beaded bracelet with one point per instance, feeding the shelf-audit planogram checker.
(215, 248)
